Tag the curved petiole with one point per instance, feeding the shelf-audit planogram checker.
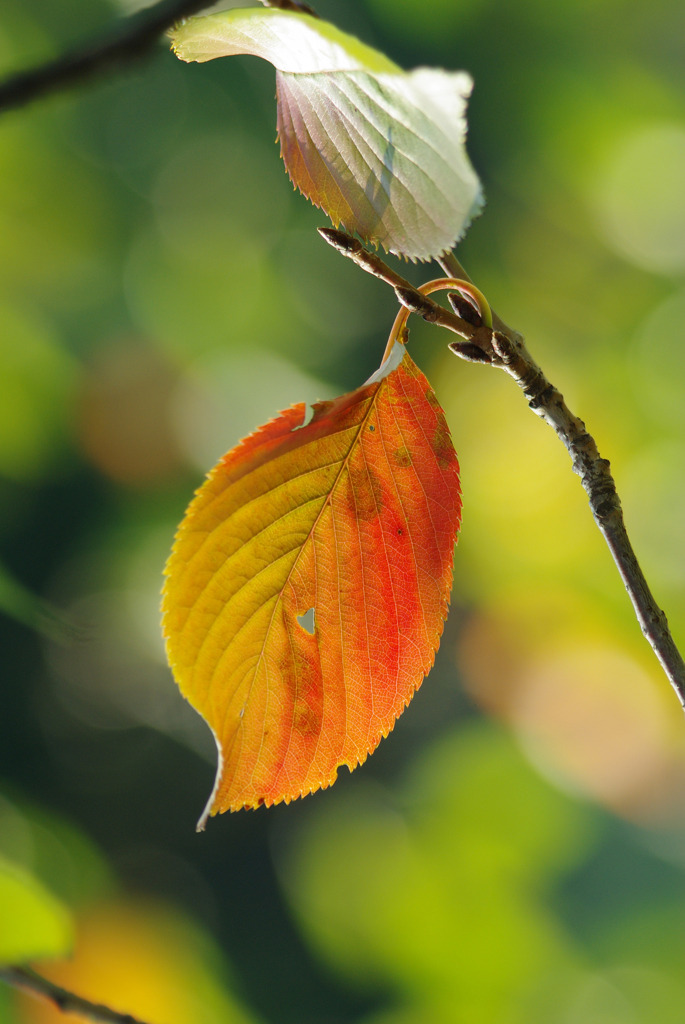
(439, 284)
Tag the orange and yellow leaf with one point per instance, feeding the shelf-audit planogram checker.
(355, 516)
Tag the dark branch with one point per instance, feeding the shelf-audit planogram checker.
(291, 5)
(505, 348)
(605, 504)
(132, 40)
(26, 979)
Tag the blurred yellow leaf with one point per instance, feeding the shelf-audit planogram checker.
(144, 959)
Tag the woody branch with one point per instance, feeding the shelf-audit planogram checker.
(505, 348)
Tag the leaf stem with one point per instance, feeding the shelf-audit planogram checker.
(478, 338)
(440, 284)
(505, 348)
(27, 980)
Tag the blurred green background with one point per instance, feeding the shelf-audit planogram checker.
(514, 852)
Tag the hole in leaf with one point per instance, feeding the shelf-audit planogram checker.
(308, 417)
(307, 621)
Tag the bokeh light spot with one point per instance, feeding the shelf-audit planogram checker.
(640, 198)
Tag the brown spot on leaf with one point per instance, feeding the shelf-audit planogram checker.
(402, 456)
(431, 399)
(442, 446)
(364, 492)
(306, 721)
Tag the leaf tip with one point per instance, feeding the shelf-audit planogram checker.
(211, 807)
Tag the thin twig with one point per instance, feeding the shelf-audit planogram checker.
(291, 5)
(506, 350)
(595, 476)
(131, 40)
(26, 979)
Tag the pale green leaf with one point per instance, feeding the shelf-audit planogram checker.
(380, 150)
(33, 923)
